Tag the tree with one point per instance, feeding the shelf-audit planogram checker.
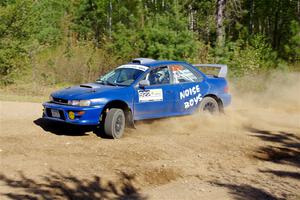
(221, 4)
(15, 32)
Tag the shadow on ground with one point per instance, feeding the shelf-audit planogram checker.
(281, 148)
(280, 173)
(244, 191)
(59, 128)
(284, 147)
(59, 186)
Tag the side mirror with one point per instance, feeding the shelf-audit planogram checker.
(144, 83)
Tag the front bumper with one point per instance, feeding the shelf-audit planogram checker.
(90, 116)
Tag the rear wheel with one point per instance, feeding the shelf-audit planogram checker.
(114, 123)
(210, 105)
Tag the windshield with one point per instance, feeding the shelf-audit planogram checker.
(120, 76)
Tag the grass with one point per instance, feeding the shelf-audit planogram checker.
(17, 97)
(27, 92)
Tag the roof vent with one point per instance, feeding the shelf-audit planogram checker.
(142, 60)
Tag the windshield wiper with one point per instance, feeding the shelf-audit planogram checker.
(105, 82)
(109, 83)
(100, 82)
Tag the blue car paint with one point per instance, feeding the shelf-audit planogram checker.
(174, 102)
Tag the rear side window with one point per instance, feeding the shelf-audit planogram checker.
(183, 74)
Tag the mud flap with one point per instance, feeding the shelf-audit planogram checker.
(129, 120)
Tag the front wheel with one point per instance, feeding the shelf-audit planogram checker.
(210, 105)
(114, 123)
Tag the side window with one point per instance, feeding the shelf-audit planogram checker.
(159, 76)
(182, 74)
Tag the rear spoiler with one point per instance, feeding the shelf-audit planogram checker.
(223, 68)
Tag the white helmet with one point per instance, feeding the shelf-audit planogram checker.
(161, 76)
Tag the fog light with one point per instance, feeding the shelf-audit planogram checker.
(71, 115)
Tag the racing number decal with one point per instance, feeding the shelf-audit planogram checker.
(150, 95)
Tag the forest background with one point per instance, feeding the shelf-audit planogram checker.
(53, 43)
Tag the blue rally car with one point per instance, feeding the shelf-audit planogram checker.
(142, 89)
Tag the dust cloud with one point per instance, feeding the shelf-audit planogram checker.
(264, 101)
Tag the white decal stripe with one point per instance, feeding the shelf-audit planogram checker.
(139, 67)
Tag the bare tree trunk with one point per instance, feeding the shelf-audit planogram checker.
(276, 24)
(191, 18)
(298, 9)
(110, 18)
(142, 10)
(251, 14)
(220, 18)
(207, 31)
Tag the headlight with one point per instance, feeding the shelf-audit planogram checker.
(84, 103)
(79, 102)
(73, 102)
(50, 98)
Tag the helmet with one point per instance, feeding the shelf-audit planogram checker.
(160, 76)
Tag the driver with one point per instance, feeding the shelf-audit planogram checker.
(160, 76)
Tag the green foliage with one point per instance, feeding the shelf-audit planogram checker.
(22, 23)
(164, 36)
(292, 48)
(90, 19)
(14, 32)
(46, 19)
(247, 57)
(11, 57)
(126, 43)
(42, 39)
(168, 38)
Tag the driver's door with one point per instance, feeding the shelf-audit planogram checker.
(157, 99)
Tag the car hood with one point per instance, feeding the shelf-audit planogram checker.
(84, 91)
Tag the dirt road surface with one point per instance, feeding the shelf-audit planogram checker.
(250, 152)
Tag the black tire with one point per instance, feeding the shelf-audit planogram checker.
(114, 123)
(210, 105)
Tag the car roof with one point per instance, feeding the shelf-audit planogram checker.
(155, 63)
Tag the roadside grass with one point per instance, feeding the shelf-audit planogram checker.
(29, 92)
(21, 98)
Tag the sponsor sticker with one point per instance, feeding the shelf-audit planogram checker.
(191, 96)
(138, 67)
(150, 95)
(176, 68)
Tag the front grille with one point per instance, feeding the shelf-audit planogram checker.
(62, 116)
(60, 101)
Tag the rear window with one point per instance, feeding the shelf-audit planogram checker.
(183, 74)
